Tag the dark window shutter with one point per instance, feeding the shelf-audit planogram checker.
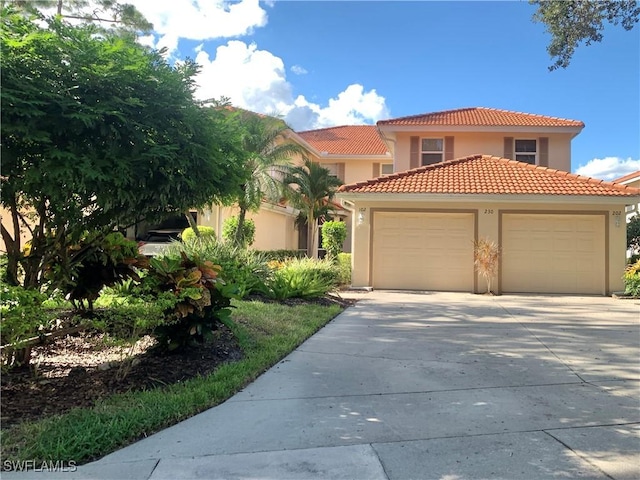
(448, 148)
(340, 171)
(414, 152)
(376, 170)
(543, 151)
(508, 148)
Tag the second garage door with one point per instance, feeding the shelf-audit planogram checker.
(423, 251)
(544, 253)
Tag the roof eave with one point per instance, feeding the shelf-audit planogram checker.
(489, 197)
(297, 138)
(481, 128)
(343, 156)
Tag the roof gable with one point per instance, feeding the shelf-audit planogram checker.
(346, 140)
(628, 178)
(484, 174)
(481, 117)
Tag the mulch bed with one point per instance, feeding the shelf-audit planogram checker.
(80, 369)
(77, 370)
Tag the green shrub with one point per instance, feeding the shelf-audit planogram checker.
(633, 232)
(333, 236)
(188, 234)
(344, 268)
(21, 317)
(230, 226)
(4, 278)
(632, 279)
(93, 263)
(302, 278)
(282, 255)
(633, 259)
(245, 271)
(200, 299)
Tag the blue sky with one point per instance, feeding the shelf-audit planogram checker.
(329, 63)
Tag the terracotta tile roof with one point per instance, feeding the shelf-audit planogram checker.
(630, 176)
(481, 116)
(484, 174)
(346, 140)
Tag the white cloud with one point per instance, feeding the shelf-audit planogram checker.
(608, 168)
(200, 19)
(256, 80)
(298, 70)
(251, 78)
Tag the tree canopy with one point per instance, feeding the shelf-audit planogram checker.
(312, 188)
(267, 156)
(633, 233)
(571, 22)
(100, 132)
(124, 17)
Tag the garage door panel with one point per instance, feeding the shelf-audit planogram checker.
(549, 253)
(423, 251)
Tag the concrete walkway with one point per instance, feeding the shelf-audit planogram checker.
(425, 386)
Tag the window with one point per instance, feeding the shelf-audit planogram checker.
(386, 169)
(335, 170)
(432, 150)
(332, 167)
(526, 151)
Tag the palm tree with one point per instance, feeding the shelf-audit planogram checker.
(267, 157)
(312, 188)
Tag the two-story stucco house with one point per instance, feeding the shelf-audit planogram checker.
(464, 174)
(419, 191)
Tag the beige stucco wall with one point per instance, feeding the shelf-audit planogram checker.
(488, 221)
(356, 169)
(634, 183)
(486, 143)
(275, 226)
(632, 210)
(7, 222)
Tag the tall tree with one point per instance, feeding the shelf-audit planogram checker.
(571, 22)
(267, 159)
(124, 17)
(98, 133)
(312, 187)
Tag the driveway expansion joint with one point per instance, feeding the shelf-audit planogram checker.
(413, 392)
(577, 454)
(541, 342)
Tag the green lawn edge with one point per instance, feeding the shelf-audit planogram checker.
(267, 332)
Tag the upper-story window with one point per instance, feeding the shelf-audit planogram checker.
(432, 150)
(335, 169)
(386, 169)
(526, 151)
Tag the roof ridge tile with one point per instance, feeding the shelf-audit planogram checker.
(487, 174)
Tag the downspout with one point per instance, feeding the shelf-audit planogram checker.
(388, 140)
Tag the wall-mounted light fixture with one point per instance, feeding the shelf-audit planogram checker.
(361, 215)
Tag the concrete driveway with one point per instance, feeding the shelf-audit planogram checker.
(425, 386)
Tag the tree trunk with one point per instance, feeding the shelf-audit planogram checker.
(239, 237)
(192, 223)
(13, 254)
(12, 244)
(312, 237)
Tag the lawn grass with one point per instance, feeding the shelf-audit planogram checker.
(266, 332)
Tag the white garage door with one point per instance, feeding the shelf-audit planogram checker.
(423, 251)
(553, 253)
